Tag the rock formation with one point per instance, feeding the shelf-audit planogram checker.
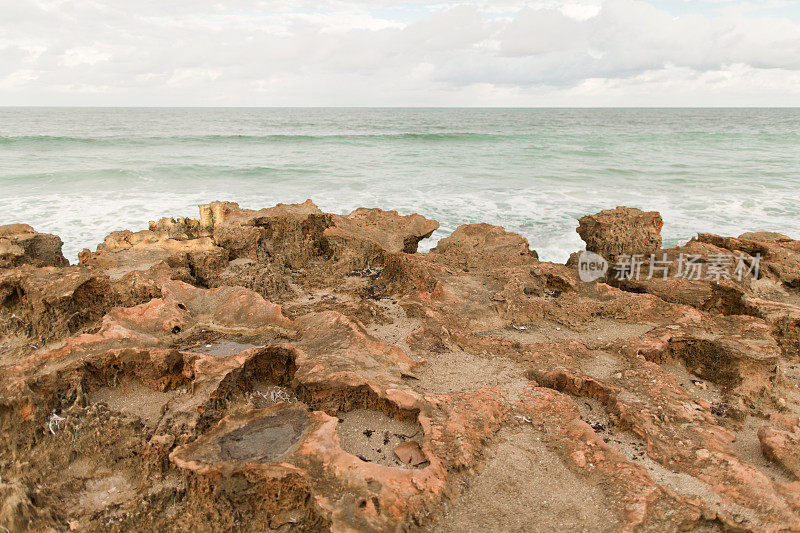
(624, 230)
(21, 245)
(287, 369)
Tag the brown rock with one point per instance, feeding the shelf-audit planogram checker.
(244, 370)
(46, 304)
(737, 352)
(181, 229)
(781, 443)
(392, 232)
(16, 509)
(21, 245)
(296, 235)
(484, 246)
(410, 453)
(624, 230)
(780, 255)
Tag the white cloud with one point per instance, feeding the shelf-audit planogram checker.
(19, 78)
(82, 55)
(183, 77)
(340, 52)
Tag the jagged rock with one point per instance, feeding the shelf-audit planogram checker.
(182, 229)
(784, 319)
(288, 233)
(624, 230)
(46, 304)
(123, 252)
(16, 509)
(484, 246)
(267, 279)
(21, 245)
(780, 255)
(754, 274)
(780, 442)
(680, 434)
(258, 369)
(736, 352)
(296, 235)
(392, 232)
(669, 277)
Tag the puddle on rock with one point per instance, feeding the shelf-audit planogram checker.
(220, 347)
(372, 436)
(265, 439)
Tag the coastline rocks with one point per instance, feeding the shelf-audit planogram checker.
(391, 231)
(298, 234)
(780, 255)
(738, 353)
(484, 246)
(624, 230)
(265, 250)
(45, 304)
(755, 274)
(267, 369)
(21, 245)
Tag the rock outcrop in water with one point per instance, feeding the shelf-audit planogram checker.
(287, 369)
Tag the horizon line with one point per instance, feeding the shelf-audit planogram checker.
(376, 107)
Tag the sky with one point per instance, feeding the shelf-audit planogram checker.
(505, 53)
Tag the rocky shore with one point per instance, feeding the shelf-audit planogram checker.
(287, 369)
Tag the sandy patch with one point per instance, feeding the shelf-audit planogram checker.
(449, 372)
(598, 332)
(398, 327)
(694, 386)
(748, 447)
(525, 487)
(133, 398)
(372, 436)
(102, 493)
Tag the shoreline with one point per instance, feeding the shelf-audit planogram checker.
(302, 369)
(82, 174)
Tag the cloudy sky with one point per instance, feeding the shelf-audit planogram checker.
(413, 53)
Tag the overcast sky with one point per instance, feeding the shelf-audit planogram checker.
(414, 53)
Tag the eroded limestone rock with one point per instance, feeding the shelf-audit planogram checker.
(624, 230)
(210, 374)
(780, 442)
(21, 245)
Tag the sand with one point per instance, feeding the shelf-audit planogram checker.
(525, 487)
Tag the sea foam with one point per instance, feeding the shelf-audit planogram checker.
(82, 173)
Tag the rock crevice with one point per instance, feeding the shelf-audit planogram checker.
(290, 369)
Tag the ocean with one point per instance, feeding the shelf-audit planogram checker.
(84, 172)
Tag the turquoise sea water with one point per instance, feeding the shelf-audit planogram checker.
(82, 173)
